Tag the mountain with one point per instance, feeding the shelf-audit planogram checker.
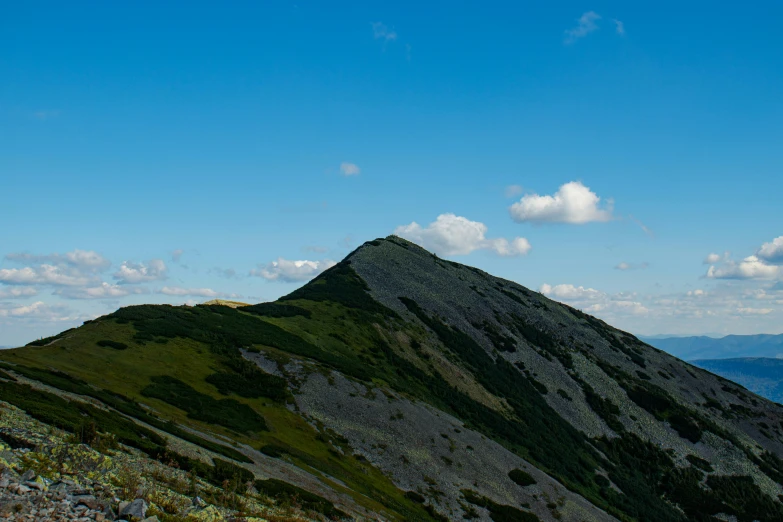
(401, 386)
(730, 346)
(761, 375)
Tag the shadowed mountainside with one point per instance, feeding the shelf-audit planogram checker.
(406, 387)
(761, 375)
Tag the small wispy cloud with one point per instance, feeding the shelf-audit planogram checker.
(44, 115)
(350, 169)
(586, 24)
(619, 26)
(513, 191)
(632, 266)
(644, 227)
(381, 32)
(227, 273)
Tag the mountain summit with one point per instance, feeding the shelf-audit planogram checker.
(401, 386)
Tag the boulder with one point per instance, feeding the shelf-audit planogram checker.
(136, 510)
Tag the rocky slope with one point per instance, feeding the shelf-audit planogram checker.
(400, 386)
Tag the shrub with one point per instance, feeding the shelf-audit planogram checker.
(499, 512)
(228, 413)
(112, 344)
(522, 478)
(277, 310)
(280, 490)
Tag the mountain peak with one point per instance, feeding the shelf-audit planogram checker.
(431, 389)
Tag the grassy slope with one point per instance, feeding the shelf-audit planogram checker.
(129, 371)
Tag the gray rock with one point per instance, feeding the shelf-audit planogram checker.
(87, 500)
(28, 475)
(135, 510)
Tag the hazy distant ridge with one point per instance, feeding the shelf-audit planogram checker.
(731, 346)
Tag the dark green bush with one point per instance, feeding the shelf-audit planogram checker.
(224, 412)
(523, 478)
(499, 512)
(280, 490)
(699, 463)
(107, 343)
(259, 384)
(277, 310)
(416, 497)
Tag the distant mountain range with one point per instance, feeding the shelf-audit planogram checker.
(760, 375)
(729, 347)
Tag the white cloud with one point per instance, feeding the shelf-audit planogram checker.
(619, 26)
(571, 292)
(772, 252)
(19, 311)
(288, 271)
(749, 268)
(43, 275)
(754, 311)
(381, 32)
(132, 273)
(745, 307)
(572, 203)
(350, 169)
(88, 260)
(513, 191)
(451, 235)
(618, 307)
(713, 258)
(18, 292)
(101, 291)
(594, 301)
(176, 255)
(39, 312)
(632, 266)
(586, 24)
(75, 268)
(196, 292)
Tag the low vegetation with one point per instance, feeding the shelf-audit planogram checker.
(228, 413)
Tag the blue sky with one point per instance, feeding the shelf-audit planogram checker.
(172, 154)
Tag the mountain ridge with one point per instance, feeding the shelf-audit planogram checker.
(728, 346)
(412, 387)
